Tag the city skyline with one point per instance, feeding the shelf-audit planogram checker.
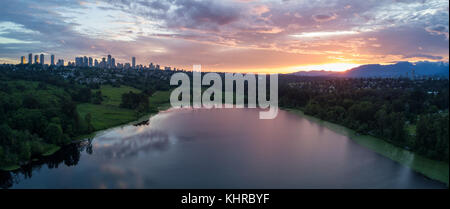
(236, 35)
(106, 62)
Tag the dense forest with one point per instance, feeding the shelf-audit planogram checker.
(412, 114)
(38, 107)
(36, 114)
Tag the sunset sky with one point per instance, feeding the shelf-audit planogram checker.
(233, 36)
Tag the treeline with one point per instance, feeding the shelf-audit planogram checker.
(409, 114)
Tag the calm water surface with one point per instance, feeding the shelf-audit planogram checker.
(219, 148)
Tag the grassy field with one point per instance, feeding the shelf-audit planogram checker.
(105, 116)
(159, 100)
(112, 96)
(109, 114)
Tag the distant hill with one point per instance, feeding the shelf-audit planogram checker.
(316, 73)
(400, 69)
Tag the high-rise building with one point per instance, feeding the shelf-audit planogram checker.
(103, 63)
(22, 60)
(42, 59)
(52, 59)
(133, 62)
(36, 59)
(60, 62)
(96, 63)
(79, 61)
(90, 61)
(113, 63)
(85, 61)
(30, 58)
(109, 61)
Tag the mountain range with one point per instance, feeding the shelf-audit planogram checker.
(399, 69)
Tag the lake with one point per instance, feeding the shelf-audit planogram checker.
(217, 148)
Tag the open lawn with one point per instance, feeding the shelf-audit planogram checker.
(113, 95)
(109, 114)
(159, 100)
(105, 116)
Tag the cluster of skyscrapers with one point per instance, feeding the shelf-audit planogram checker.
(108, 62)
(40, 59)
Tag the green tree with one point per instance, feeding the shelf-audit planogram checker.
(53, 134)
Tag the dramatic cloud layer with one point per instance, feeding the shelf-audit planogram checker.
(234, 35)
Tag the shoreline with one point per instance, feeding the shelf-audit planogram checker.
(162, 107)
(81, 138)
(432, 169)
